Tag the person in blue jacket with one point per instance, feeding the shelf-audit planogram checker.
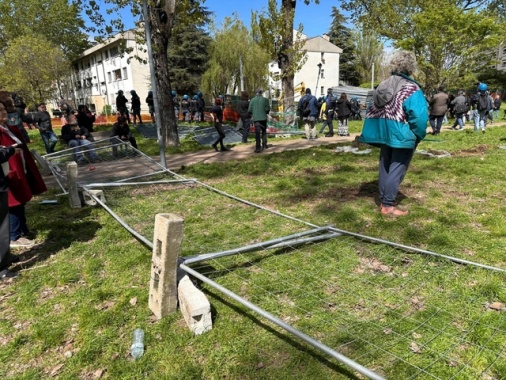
(396, 122)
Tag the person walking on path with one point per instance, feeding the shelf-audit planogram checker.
(308, 112)
(460, 107)
(242, 109)
(438, 107)
(259, 108)
(343, 113)
(217, 114)
(396, 122)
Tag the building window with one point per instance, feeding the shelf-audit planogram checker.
(109, 77)
(114, 51)
(322, 91)
(88, 64)
(503, 64)
(89, 82)
(125, 75)
(322, 74)
(99, 58)
(117, 74)
(322, 58)
(106, 54)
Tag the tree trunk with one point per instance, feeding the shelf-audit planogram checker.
(161, 21)
(288, 10)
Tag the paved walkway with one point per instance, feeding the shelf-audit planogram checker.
(243, 151)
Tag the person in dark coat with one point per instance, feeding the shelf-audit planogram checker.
(343, 114)
(242, 109)
(121, 105)
(136, 107)
(151, 105)
(85, 118)
(121, 130)
(217, 114)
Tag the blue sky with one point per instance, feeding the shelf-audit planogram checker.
(315, 18)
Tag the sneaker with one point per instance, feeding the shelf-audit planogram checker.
(329, 134)
(483, 131)
(258, 150)
(6, 274)
(22, 242)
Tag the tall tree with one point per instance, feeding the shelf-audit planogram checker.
(162, 16)
(276, 29)
(369, 55)
(235, 58)
(30, 66)
(59, 21)
(188, 55)
(341, 36)
(451, 38)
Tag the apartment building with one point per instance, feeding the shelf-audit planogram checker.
(319, 72)
(103, 70)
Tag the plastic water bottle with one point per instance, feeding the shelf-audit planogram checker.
(137, 348)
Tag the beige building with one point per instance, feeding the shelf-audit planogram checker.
(103, 70)
(319, 72)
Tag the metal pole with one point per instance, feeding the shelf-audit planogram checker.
(372, 79)
(306, 338)
(161, 141)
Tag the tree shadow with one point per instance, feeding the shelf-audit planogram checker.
(65, 226)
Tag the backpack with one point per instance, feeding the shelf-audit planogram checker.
(482, 103)
(304, 107)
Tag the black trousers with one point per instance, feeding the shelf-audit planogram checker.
(4, 230)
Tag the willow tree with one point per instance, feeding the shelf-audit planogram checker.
(276, 30)
(451, 38)
(236, 61)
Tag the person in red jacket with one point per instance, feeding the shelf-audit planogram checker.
(6, 152)
(24, 179)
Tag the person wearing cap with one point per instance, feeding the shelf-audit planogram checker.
(309, 120)
(42, 120)
(259, 108)
(396, 122)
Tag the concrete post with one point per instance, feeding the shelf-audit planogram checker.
(167, 240)
(194, 306)
(75, 199)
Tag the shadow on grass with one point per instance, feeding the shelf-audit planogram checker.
(64, 227)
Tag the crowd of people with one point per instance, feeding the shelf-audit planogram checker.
(480, 107)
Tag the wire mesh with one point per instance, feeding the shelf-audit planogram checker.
(401, 314)
(105, 160)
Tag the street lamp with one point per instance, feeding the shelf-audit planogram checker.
(318, 78)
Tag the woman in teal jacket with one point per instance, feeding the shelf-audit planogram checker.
(396, 122)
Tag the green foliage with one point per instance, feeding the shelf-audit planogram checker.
(451, 39)
(30, 66)
(58, 21)
(188, 53)
(232, 45)
(369, 53)
(341, 36)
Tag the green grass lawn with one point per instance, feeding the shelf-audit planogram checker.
(84, 289)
